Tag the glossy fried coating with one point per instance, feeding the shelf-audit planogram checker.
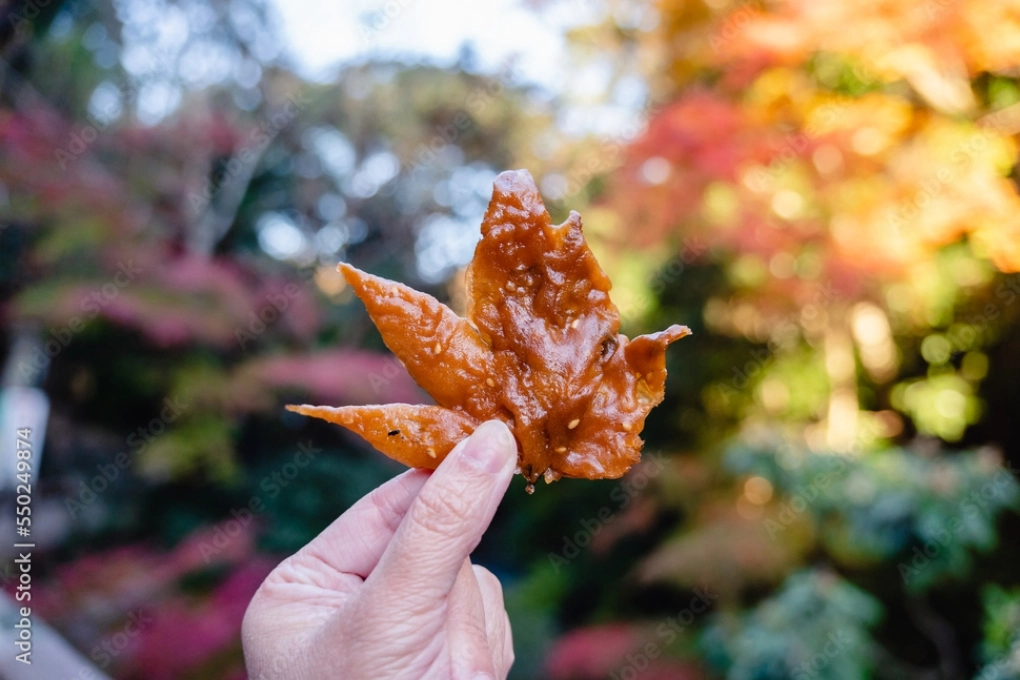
(540, 349)
(417, 436)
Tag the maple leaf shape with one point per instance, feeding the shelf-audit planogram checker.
(540, 350)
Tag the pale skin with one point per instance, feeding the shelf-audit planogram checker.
(388, 590)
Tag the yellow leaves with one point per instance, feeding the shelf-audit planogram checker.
(880, 135)
(873, 337)
(936, 45)
(888, 115)
(720, 204)
(942, 405)
(631, 286)
(788, 204)
(943, 83)
(962, 146)
(330, 282)
(974, 366)
(936, 349)
(747, 271)
(989, 31)
(940, 182)
(777, 90)
(1001, 244)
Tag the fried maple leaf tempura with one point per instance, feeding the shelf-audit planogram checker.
(540, 350)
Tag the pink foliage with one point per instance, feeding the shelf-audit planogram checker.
(661, 669)
(173, 296)
(186, 633)
(591, 652)
(179, 632)
(128, 577)
(342, 377)
(616, 651)
(295, 302)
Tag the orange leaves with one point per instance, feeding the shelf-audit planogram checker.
(850, 129)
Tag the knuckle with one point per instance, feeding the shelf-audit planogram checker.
(444, 512)
(387, 509)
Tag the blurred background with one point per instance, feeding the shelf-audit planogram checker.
(825, 192)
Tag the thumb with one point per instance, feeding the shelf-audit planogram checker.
(447, 519)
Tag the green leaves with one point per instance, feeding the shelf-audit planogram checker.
(816, 625)
(930, 514)
(1001, 648)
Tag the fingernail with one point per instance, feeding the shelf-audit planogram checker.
(483, 676)
(488, 449)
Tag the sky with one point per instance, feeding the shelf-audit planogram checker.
(169, 48)
(321, 36)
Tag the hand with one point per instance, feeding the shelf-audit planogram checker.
(387, 590)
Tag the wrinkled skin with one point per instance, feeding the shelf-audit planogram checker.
(388, 589)
(540, 350)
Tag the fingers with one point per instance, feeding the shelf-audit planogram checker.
(355, 541)
(470, 655)
(447, 519)
(497, 624)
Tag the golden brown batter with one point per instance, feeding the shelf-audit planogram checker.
(540, 349)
